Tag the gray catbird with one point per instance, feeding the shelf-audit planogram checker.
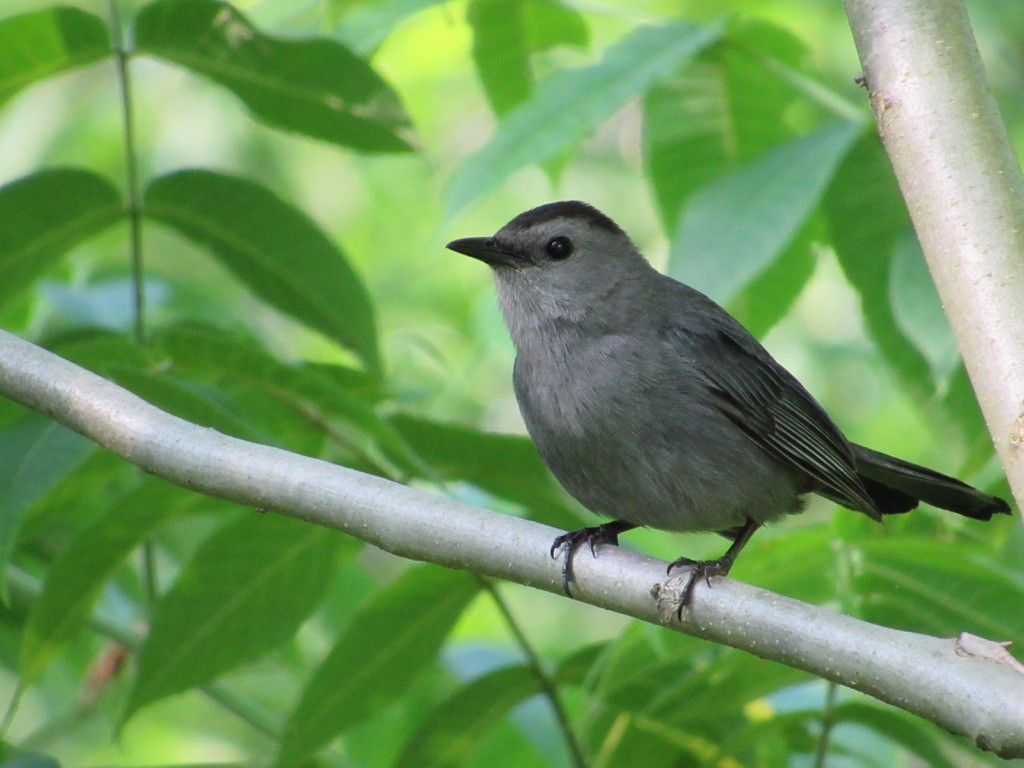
(653, 406)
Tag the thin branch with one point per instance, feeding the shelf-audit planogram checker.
(963, 188)
(547, 686)
(966, 693)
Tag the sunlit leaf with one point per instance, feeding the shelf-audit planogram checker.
(245, 591)
(43, 216)
(571, 103)
(364, 26)
(35, 45)
(388, 643)
(36, 454)
(273, 248)
(316, 87)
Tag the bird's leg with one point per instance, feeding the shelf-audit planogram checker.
(707, 568)
(607, 533)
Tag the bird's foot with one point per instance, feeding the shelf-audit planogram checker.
(607, 533)
(699, 569)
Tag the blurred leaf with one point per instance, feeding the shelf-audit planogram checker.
(571, 103)
(918, 310)
(733, 228)
(387, 644)
(726, 108)
(322, 393)
(195, 402)
(315, 87)
(366, 25)
(507, 466)
(44, 215)
(768, 298)
(274, 249)
(868, 219)
(500, 51)
(246, 591)
(939, 588)
(35, 45)
(549, 23)
(76, 578)
(27, 760)
(36, 454)
(448, 735)
(914, 734)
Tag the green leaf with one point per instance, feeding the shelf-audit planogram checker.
(315, 87)
(549, 23)
(366, 25)
(446, 738)
(274, 249)
(917, 308)
(387, 644)
(737, 225)
(507, 466)
(43, 216)
(727, 108)
(571, 103)
(939, 588)
(500, 52)
(245, 591)
(35, 45)
(910, 732)
(868, 219)
(76, 578)
(36, 454)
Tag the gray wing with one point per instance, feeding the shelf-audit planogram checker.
(771, 407)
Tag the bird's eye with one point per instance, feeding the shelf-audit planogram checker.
(559, 247)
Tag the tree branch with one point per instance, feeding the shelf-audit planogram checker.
(968, 692)
(963, 187)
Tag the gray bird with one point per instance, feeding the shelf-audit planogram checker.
(655, 407)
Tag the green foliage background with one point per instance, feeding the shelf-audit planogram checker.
(248, 232)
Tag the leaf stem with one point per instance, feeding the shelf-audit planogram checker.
(828, 721)
(547, 685)
(134, 205)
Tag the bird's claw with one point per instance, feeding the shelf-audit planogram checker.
(607, 533)
(698, 569)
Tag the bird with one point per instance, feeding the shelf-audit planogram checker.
(653, 406)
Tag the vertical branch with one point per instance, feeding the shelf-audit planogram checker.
(963, 188)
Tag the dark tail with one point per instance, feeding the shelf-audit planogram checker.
(897, 486)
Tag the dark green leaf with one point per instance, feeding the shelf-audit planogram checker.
(868, 219)
(507, 466)
(315, 87)
(500, 52)
(274, 249)
(35, 45)
(388, 643)
(446, 738)
(28, 760)
(76, 577)
(43, 216)
(35, 455)
(247, 590)
(733, 228)
(571, 103)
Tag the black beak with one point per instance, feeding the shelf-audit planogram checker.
(487, 250)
